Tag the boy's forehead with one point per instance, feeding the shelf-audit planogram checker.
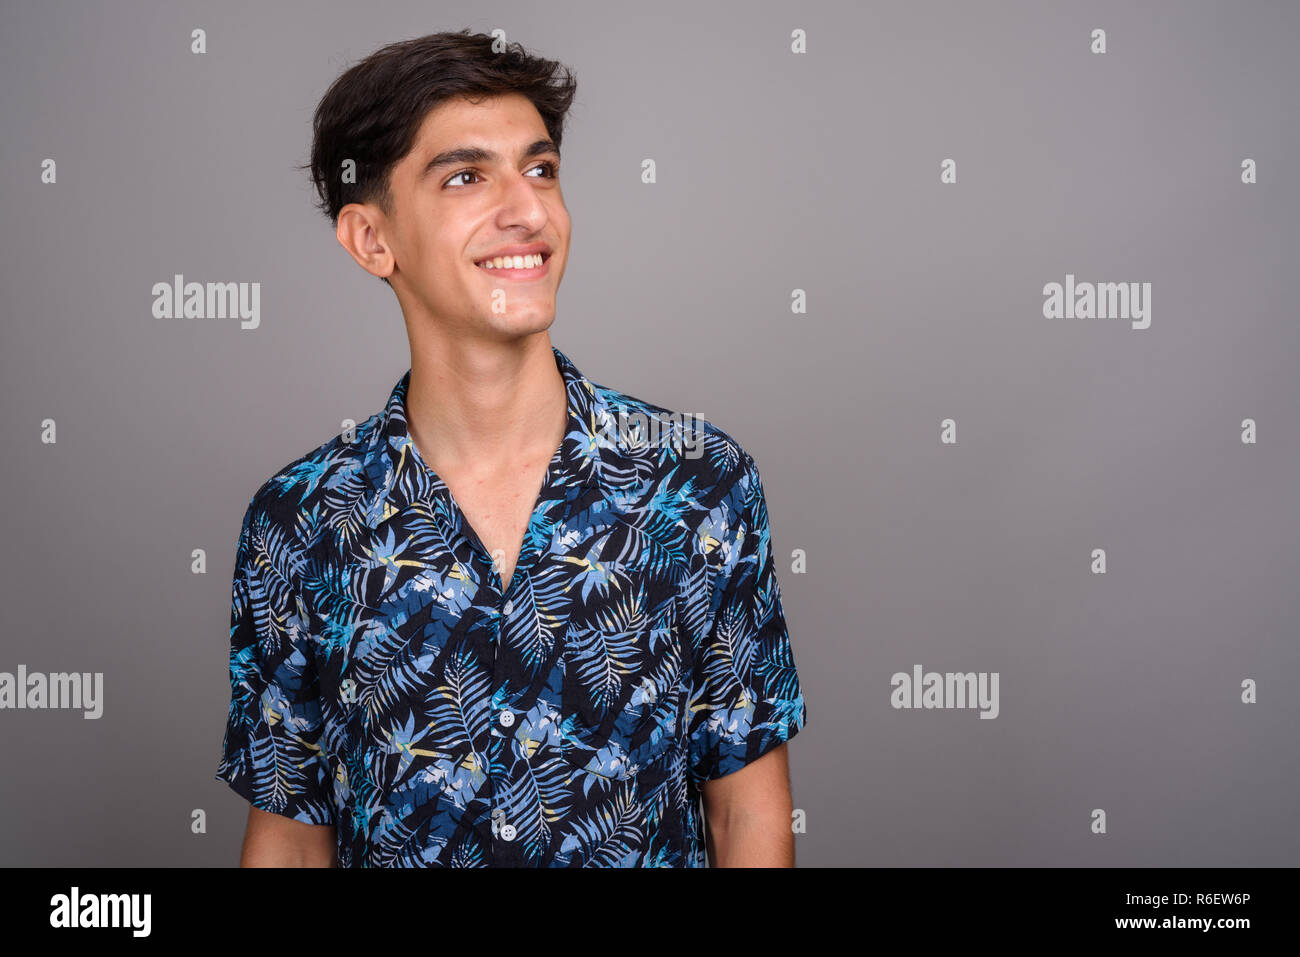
(495, 121)
(459, 132)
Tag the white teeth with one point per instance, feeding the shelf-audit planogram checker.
(513, 262)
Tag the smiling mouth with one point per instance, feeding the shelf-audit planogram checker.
(517, 267)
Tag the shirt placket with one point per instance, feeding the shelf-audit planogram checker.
(508, 678)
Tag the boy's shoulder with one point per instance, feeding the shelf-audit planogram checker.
(684, 446)
(332, 476)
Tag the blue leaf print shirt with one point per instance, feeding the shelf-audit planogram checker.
(384, 682)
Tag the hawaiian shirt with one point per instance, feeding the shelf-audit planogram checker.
(385, 682)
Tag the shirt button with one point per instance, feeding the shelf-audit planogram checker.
(507, 832)
(510, 606)
(507, 718)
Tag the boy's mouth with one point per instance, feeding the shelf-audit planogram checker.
(517, 267)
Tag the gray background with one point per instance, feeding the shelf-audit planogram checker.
(776, 171)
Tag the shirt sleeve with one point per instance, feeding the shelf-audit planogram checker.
(271, 754)
(745, 696)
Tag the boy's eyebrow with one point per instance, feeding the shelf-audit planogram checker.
(477, 154)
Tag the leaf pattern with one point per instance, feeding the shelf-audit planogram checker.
(384, 682)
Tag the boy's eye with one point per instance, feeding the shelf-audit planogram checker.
(551, 169)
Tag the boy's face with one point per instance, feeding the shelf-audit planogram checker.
(448, 218)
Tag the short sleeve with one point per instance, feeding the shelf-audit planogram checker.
(745, 695)
(271, 752)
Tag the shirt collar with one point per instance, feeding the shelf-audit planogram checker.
(589, 456)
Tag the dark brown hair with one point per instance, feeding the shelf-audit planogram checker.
(372, 113)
